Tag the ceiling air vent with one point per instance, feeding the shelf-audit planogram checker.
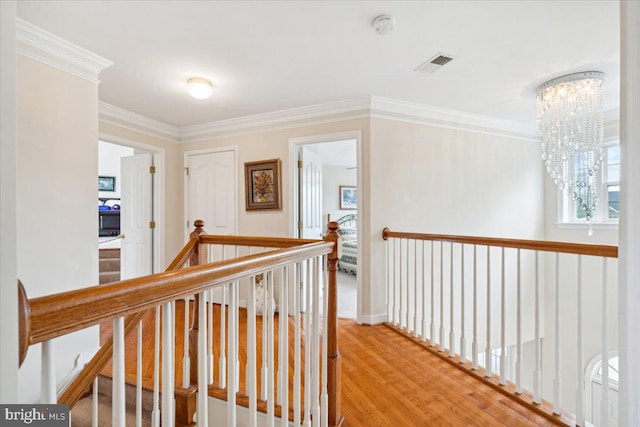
(434, 63)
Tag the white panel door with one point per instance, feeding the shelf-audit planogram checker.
(211, 197)
(211, 191)
(310, 181)
(136, 216)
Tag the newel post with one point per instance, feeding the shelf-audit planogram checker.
(334, 363)
(185, 398)
(198, 257)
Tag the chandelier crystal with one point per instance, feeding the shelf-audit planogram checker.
(570, 121)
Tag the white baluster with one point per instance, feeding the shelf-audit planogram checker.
(307, 349)
(118, 393)
(281, 328)
(503, 322)
(474, 344)
(488, 369)
(537, 374)
(95, 404)
(296, 344)
(604, 403)
(432, 336)
(519, 326)
(315, 364)
(265, 351)
(401, 290)
(325, 329)
(396, 290)
(452, 335)
(424, 297)
(202, 407)
(463, 343)
(251, 381)
(48, 384)
(168, 388)
(271, 355)
(155, 414)
(231, 367)
(406, 290)
(415, 288)
(139, 377)
(210, 368)
(387, 252)
(579, 356)
(223, 339)
(284, 356)
(556, 376)
(441, 296)
(186, 361)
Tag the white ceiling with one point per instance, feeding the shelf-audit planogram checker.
(267, 56)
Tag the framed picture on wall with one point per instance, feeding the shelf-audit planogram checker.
(348, 197)
(263, 185)
(106, 183)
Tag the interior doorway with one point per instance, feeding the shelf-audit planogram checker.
(131, 211)
(325, 177)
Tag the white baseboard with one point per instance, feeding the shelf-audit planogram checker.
(374, 319)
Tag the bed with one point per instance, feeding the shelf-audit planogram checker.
(348, 231)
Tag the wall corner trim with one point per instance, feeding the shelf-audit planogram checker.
(40, 45)
(117, 116)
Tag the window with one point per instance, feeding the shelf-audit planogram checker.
(607, 190)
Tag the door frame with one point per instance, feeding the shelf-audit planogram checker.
(294, 144)
(159, 214)
(234, 148)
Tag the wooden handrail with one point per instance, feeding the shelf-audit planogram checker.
(257, 241)
(59, 314)
(73, 393)
(536, 245)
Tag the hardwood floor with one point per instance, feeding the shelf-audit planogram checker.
(387, 380)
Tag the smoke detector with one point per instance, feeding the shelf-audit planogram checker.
(383, 24)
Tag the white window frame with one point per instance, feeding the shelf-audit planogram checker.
(566, 206)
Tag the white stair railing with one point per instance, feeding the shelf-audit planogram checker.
(440, 283)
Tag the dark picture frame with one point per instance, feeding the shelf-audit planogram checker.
(263, 185)
(106, 183)
(348, 197)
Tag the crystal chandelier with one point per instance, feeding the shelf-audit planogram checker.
(570, 121)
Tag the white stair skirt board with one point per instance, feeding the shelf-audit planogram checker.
(218, 412)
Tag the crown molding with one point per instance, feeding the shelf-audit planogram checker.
(40, 45)
(282, 119)
(117, 116)
(394, 109)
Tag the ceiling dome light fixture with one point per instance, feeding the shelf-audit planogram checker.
(383, 24)
(199, 88)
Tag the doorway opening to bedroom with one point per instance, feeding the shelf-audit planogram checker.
(325, 179)
(129, 197)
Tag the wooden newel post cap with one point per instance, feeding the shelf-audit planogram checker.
(198, 224)
(24, 323)
(385, 233)
(333, 227)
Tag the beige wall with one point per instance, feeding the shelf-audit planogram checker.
(437, 180)
(57, 165)
(8, 289)
(268, 145)
(173, 202)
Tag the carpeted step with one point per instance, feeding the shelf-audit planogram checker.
(81, 414)
(109, 277)
(110, 253)
(109, 264)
